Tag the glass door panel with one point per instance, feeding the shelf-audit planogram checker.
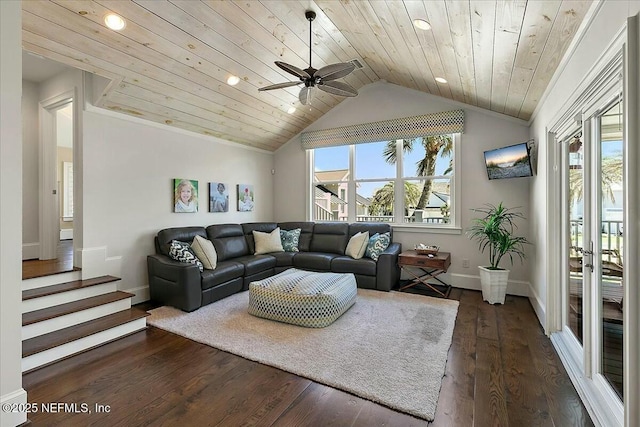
(610, 245)
(575, 236)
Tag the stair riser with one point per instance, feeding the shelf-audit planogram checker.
(78, 346)
(50, 325)
(40, 282)
(69, 296)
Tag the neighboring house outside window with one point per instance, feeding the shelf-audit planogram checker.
(401, 181)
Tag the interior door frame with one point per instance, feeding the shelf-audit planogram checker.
(49, 208)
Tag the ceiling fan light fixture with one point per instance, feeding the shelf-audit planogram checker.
(421, 24)
(114, 22)
(441, 80)
(311, 78)
(291, 110)
(233, 80)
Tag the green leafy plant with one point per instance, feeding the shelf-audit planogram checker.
(494, 232)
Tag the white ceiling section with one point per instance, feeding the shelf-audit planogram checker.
(173, 58)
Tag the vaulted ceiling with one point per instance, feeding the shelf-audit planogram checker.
(171, 62)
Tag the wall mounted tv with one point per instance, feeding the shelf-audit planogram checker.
(513, 161)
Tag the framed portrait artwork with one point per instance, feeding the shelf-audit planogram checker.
(185, 195)
(218, 197)
(245, 198)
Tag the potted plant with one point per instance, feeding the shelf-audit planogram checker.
(494, 232)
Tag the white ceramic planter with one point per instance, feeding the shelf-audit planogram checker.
(494, 285)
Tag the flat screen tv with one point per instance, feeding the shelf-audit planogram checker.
(508, 162)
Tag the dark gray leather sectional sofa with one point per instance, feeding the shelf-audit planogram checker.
(321, 248)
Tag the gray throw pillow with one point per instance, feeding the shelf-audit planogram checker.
(290, 239)
(181, 251)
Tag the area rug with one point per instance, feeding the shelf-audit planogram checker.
(389, 347)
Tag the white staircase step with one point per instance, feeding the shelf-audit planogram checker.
(59, 344)
(62, 293)
(44, 321)
(53, 279)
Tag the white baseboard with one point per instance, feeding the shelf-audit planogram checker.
(30, 251)
(468, 281)
(66, 233)
(538, 307)
(142, 294)
(17, 399)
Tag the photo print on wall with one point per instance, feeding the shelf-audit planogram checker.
(245, 198)
(185, 195)
(218, 197)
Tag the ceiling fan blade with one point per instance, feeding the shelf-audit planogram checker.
(305, 95)
(335, 71)
(293, 70)
(279, 85)
(338, 88)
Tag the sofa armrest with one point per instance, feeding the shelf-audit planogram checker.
(387, 269)
(174, 283)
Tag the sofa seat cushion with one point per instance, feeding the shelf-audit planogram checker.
(254, 264)
(224, 272)
(284, 259)
(346, 264)
(314, 261)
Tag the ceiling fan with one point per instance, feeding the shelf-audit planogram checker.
(323, 79)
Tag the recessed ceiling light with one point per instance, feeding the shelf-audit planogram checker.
(421, 24)
(233, 80)
(291, 110)
(114, 22)
(441, 80)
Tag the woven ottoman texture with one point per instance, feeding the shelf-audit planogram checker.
(303, 298)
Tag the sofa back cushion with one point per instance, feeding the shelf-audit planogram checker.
(229, 240)
(248, 229)
(371, 227)
(181, 234)
(330, 237)
(306, 233)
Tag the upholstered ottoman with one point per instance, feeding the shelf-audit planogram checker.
(303, 298)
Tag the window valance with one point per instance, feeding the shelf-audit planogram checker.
(445, 122)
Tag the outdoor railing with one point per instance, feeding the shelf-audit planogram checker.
(611, 238)
(389, 218)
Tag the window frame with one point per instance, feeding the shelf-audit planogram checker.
(453, 227)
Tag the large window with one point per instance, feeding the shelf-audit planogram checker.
(404, 181)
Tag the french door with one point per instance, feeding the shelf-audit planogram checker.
(593, 249)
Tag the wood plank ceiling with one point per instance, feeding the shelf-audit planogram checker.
(171, 62)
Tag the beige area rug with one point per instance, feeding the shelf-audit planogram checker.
(389, 347)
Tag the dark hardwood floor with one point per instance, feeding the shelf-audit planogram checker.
(63, 263)
(501, 370)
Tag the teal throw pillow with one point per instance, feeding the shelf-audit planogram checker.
(290, 239)
(377, 244)
(181, 251)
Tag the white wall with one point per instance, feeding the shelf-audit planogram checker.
(608, 22)
(483, 131)
(129, 167)
(11, 391)
(30, 198)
